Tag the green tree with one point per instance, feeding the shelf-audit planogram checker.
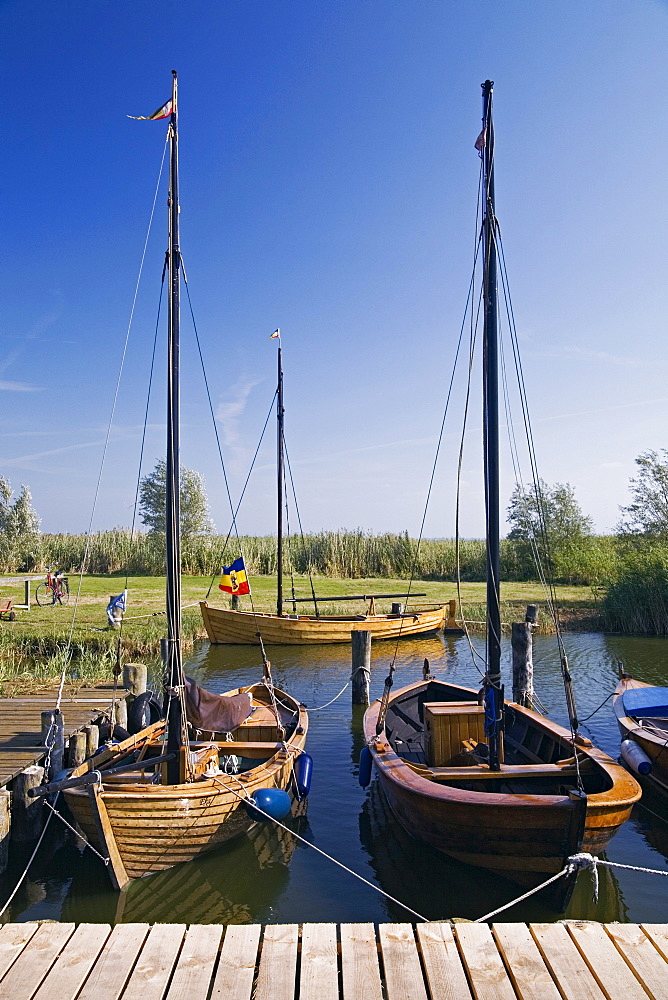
(549, 520)
(648, 512)
(19, 528)
(195, 518)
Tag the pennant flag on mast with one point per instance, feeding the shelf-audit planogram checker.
(234, 580)
(276, 333)
(163, 112)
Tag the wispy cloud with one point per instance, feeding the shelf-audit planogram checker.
(27, 461)
(7, 386)
(231, 408)
(571, 352)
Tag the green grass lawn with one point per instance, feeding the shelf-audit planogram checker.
(31, 647)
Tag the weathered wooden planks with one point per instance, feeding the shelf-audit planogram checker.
(574, 960)
(20, 723)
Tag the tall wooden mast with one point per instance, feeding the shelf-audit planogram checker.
(280, 476)
(173, 659)
(493, 687)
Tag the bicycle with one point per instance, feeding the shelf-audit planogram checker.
(55, 589)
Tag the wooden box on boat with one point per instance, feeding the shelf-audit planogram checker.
(448, 728)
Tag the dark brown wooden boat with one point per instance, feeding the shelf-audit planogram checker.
(479, 778)
(642, 716)
(521, 820)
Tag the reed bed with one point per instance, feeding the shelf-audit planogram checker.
(343, 554)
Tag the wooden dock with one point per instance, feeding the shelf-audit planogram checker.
(574, 960)
(20, 723)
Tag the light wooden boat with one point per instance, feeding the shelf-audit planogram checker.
(143, 825)
(481, 779)
(521, 821)
(647, 726)
(224, 625)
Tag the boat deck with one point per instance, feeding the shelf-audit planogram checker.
(433, 961)
(20, 723)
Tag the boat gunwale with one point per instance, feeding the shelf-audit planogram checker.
(401, 773)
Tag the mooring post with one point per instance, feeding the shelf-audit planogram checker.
(361, 666)
(451, 621)
(522, 645)
(397, 609)
(92, 739)
(77, 749)
(27, 814)
(5, 826)
(53, 738)
(234, 602)
(135, 678)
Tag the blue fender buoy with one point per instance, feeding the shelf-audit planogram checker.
(366, 767)
(303, 772)
(274, 803)
(636, 757)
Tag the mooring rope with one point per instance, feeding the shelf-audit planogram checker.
(307, 843)
(25, 870)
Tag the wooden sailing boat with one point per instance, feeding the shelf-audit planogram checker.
(487, 781)
(164, 795)
(230, 625)
(642, 717)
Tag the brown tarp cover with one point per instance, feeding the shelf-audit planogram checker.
(215, 713)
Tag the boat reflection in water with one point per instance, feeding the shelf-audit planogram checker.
(235, 885)
(438, 887)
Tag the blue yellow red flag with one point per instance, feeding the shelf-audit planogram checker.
(234, 580)
(163, 112)
(276, 333)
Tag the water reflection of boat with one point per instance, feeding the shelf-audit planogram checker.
(236, 885)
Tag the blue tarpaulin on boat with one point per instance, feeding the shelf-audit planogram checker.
(648, 702)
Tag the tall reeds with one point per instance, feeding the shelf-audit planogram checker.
(347, 554)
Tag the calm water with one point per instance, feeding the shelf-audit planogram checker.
(275, 879)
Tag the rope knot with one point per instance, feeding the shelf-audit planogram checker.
(578, 862)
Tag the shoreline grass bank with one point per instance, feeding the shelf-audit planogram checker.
(33, 646)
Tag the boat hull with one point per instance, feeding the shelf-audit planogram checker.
(524, 837)
(654, 745)
(226, 626)
(145, 828)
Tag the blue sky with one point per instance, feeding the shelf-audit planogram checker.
(328, 186)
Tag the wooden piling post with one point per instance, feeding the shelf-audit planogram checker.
(53, 737)
(135, 678)
(397, 609)
(77, 749)
(234, 602)
(27, 814)
(92, 739)
(361, 666)
(451, 621)
(121, 711)
(5, 827)
(522, 646)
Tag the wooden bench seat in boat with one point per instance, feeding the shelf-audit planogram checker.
(481, 772)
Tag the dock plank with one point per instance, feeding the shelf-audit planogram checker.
(74, 963)
(359, 962)
(484, 967)
(401, 962)
(194, 969)
(658, 935)
(236, 967)
(567, 966)
(13, 939)
(115, 963)
(319, 974)
(529, 974)
(277, 975)
(27, 972)
(648, 964)
(445, 975)
(155, 963)
(611, 971)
